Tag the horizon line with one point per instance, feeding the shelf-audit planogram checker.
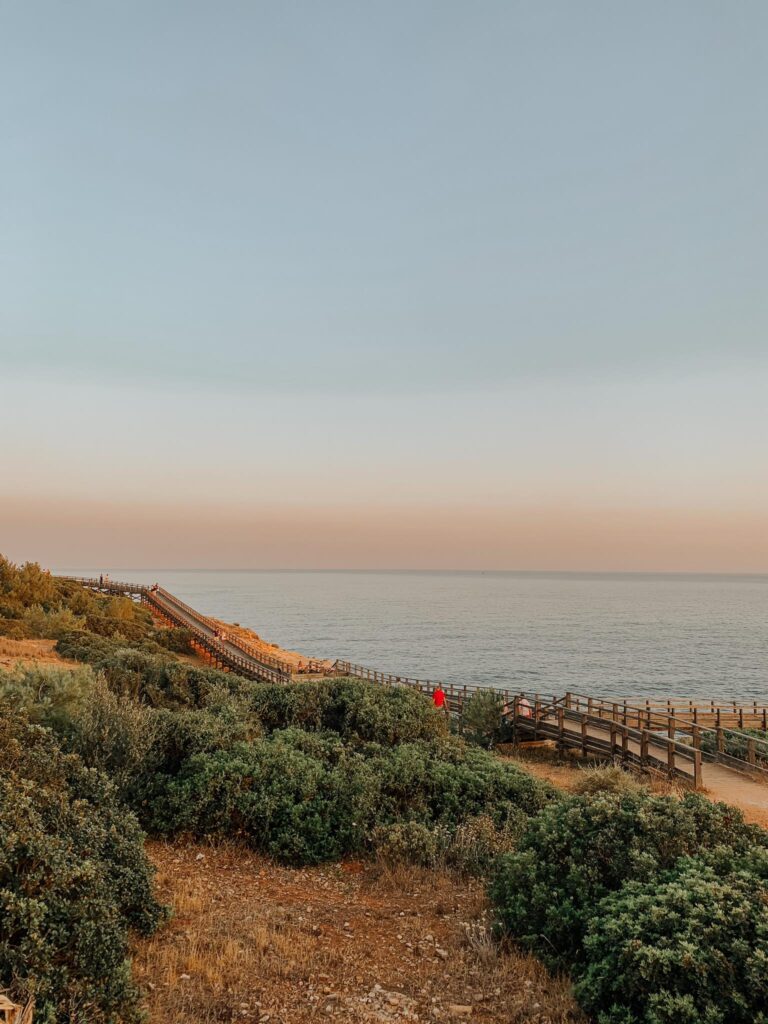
(485, 572)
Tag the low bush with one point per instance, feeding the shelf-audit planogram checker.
(176, 639)
(411, 842)
(481, 718)
(73, 880)
(47, 695)
(280, 798)
(306, 797)
(582, 848)
(354, 709)
(142, 748)
(471, 848)
(688, 947)
(736, 743)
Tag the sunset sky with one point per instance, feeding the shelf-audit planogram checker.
(384, 285)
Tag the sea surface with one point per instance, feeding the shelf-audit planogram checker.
(627, 635)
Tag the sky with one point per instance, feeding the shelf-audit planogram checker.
(386, 285)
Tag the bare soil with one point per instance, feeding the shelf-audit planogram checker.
(252, 941)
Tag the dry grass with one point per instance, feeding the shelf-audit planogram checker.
(30, 652)
(575, 774)
(253, 941)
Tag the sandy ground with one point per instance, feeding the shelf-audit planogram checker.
(31, 652)
(294, 658)
(251, 941)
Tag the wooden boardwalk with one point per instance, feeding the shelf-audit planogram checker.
(700, 743)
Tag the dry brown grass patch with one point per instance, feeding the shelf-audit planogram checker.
(351, 942)
(30, 652)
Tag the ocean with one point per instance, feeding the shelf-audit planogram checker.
(607, 634)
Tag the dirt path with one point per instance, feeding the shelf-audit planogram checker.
(749, 795)
(252, 941)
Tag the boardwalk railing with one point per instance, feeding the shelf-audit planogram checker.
(604, 737)
(456, 695)
(690, 724)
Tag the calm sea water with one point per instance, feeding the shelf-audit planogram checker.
(628, 635)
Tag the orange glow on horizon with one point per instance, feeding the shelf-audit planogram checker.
(371, 537)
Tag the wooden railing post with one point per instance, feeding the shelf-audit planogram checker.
(751, 752)
(697, 769)
(671, 756)
(720, 736)
(644, 747)
(584, 735)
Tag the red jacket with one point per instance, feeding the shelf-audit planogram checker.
(439, 698)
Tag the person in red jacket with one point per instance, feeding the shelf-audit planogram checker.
(438, 697)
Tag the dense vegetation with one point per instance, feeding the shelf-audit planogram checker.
(304, 773)
(658, 907)
(73, 881)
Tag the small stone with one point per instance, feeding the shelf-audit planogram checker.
(184, 977)
(442, 953)
(200, 856)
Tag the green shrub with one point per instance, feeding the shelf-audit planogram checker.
(176, 639)
(477, 843)
(143, 748)
(284, 801)
(47, 695)
(682, 949)
(481, 718)
(471, 848)
(28, 585)
(580, 849)
(73, 880)
(411, 842)
(736, 743)
(447, 781)
(356, 710)
(307, 797)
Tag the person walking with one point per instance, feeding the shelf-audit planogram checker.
(438, 697)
